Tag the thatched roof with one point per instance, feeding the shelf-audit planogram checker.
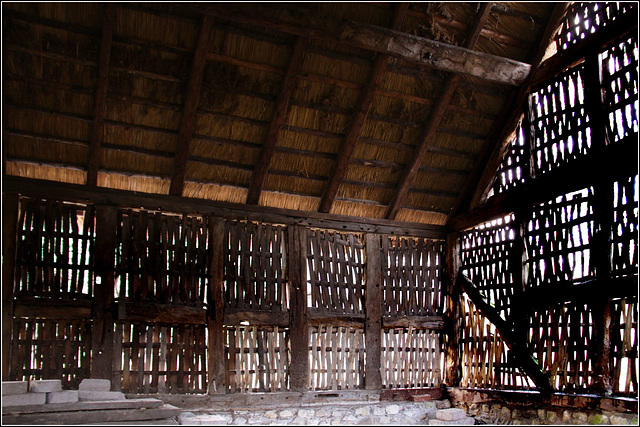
(52, 65)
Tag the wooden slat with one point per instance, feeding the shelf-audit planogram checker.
(412, 48)
(215, 312)
(100, 108)
(433, 122)
(194, 85)
(373, 304)
(164, 313)
(280, 111)
(365, 102)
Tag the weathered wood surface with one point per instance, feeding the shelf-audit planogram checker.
(299, 339)
(268, 147)
(194, 85)
(453, 311)
(418, 322)
(373, 303)
(513, 339)
(73, 192)
(235, 317)
(104, 259)
(436, 393)
(100, 107)
(215, 309)
(402, 45)
(10, 206)
(365, 102)
(164, 313)
(83, 406)
(94, 416)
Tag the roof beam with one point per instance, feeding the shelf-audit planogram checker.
(489, 159)
(269, 145)
(357, 122)
(434, 119)
(442, 56)
(185, 133)
(100, 108)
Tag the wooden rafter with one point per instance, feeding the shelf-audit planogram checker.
(489, 159)
(269, 145)
(100, 107)
(357, 122)
(185, 133)
(431, 126)
(441, 56)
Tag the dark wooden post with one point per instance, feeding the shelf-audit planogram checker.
(9, 240)
(299, 335)
(373, 307)
(102, 336)
(454, 312)
(215, 312)
(603, 218)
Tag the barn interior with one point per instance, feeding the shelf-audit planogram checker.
(255, 208)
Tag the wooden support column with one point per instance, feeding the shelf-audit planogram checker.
(9, 241)
(603, 219)
(299, 335)
(373, 307)
(215, 311)
(102, 335)
(453, 313)
(100, 107)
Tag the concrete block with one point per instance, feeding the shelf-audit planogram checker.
(88, 384)
(46, 386)
(67, 396)
(14, 387)
(451, 414)
(100, 395)
(24, 399)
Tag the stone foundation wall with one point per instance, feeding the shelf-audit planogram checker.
(504, 414)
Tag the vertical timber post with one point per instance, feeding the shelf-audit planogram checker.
(603, 218)
(453, 313)
(215, 310)
(102, 335)
(373, 307)
(9, 241)
(299, 323)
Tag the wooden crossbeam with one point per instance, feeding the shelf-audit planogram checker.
(493, 151)
(412, 48)
(100, 108)
(185, 133)
(513, 338)
(357, 122)
(269, 145)
(437, 112)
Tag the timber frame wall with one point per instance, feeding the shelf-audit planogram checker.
(165, 295)
(548, 265)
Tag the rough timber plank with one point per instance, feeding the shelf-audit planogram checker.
(357, 122)
(94, 416)
(269, 145)
(185, 133)
(419, 50)
(299, 339)
(215, 315)
(433, 122)
(373, 320)
(100, 107)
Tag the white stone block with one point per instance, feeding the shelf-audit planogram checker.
(286, 414)
(67, 396)
(46, 386)
(392, 409)
(271, 415)
(305, 413)
(14, 387)
(100, 395)
(92, 384)
(451, 414)
(467, 421)
(24, 399)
